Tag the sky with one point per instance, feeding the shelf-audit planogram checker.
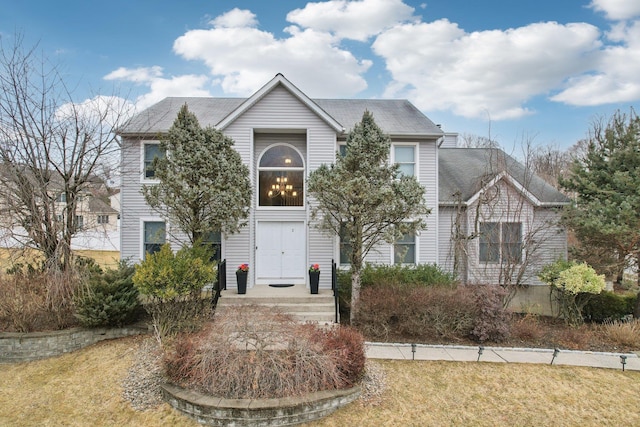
(513, 71)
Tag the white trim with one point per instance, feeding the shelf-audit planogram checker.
(416, 156)
(510, 180)
(279, 79)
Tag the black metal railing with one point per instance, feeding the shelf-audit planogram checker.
(221, 282)
(334, 287)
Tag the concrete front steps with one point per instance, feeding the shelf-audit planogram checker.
(295, 300)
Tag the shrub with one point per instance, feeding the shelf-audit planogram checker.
(378, 275)
(492, 322)
(253, 352)
(527, 328)
(33, 300)
(621, 333)
(433, 312)
(608, 306)
(108, 298)
(572, 284)
(172, 285)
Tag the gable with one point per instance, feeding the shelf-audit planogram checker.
(464, 173)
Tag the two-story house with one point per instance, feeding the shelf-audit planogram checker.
(283, 135)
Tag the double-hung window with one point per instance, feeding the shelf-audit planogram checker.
(500, 242)
(151, 151)
(214, 241)
(154, 236)
(405, 157)
(404, 249)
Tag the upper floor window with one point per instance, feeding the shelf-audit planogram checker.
(151, 152)
(404, 249)
(281, 177)
(405, 157)
(500, 242)
(61, 198)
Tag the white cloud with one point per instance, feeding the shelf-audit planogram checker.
(356, 20)
(137, 75)
(245, 58)
(235, 18)
(161, 87)
(617, 10)
(439, 66)
(616, 75)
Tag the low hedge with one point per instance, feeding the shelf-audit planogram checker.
(609, 306)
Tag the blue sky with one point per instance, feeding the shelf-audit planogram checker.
(540, 71)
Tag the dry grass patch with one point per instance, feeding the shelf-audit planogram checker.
(624, 334)
(85, 389)
(485, 394)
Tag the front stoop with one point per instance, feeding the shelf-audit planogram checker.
(295, 300)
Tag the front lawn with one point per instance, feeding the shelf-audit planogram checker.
(85, 389)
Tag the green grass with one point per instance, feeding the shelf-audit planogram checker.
(84, 389)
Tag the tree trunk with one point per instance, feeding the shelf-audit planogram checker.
(355, 292)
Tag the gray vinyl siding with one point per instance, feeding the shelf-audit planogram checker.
(539, 226)
(280, 110)
(428, 175)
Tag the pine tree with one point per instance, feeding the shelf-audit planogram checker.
(364, 198)
(203, 185)
(606, 181)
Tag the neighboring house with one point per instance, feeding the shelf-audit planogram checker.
(283, 135)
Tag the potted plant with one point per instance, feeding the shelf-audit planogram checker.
(314, 277)
(241, 277)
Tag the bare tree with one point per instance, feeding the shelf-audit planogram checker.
(50, 148)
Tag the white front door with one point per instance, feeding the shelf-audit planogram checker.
(280, 252)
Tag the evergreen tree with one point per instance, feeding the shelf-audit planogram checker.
(606, 182)
(364, 198)
(204, 186)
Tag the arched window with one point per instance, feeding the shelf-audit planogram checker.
(281, 177)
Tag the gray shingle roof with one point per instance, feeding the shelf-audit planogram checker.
(467, 170)
(395, 117)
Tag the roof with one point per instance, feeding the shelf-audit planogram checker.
(468, 170)
(394, 116)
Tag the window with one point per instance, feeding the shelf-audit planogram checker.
(342, 150)
(345, 247)
(281, 177)
(214, 240)
(103, 219)
(154, 236)
(500, 242)
(405, 157)
(404, 249)
(62, 198)
(78, 222)
(512, 242)
(151, 152)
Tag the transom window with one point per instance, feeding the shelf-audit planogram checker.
(405, 157)
(281, 177)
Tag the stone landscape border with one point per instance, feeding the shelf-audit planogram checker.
(18, 347)
(216, 411)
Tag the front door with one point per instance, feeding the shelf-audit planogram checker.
(280, 252)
